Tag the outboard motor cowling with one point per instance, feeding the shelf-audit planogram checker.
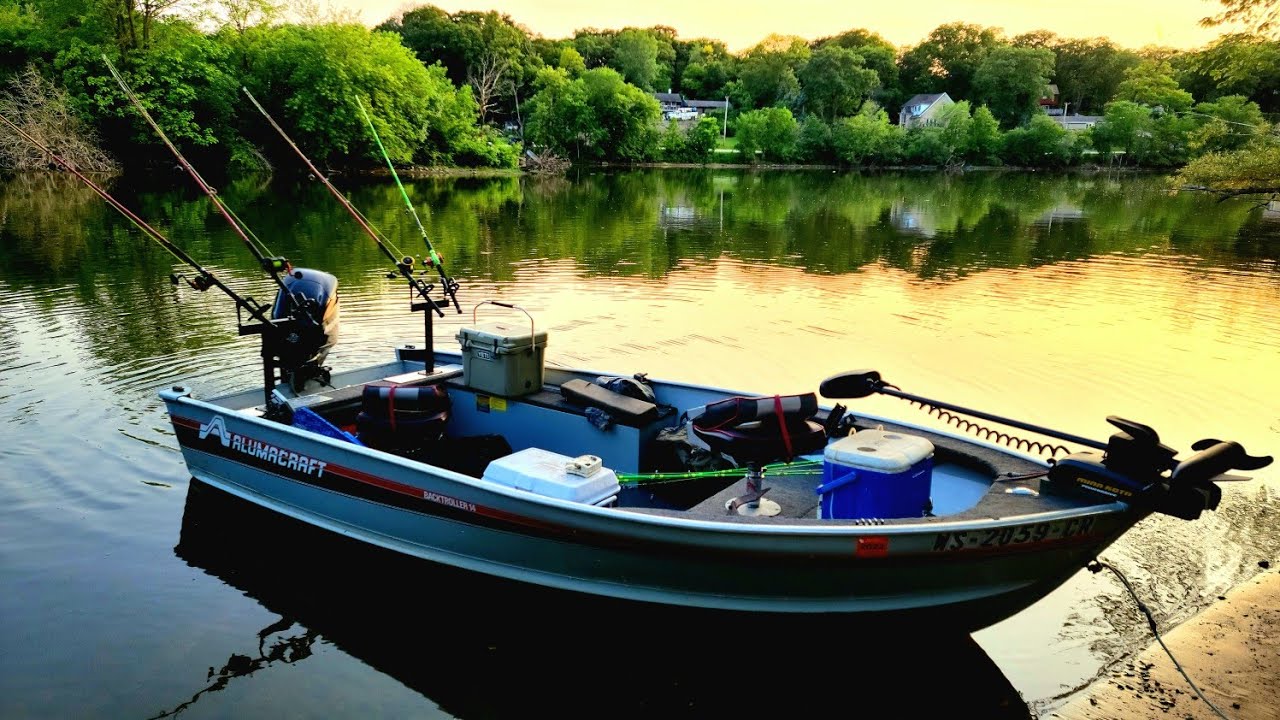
(310, 296)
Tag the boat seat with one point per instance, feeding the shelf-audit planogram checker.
(630, 410)
(759, 430)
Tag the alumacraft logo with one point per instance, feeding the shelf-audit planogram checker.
(263, 451)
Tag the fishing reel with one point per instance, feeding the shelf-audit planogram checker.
(200, 282)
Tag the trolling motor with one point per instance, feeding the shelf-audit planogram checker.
(1133, 465)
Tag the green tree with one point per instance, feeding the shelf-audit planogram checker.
(485, 50)
(597, 116)
(835, 82)
(702, 139)
(1042, 143)
(767, 72)
(571, 62)
(1152, 83)
(877, 54)
(1229, 123)
(771, 131)
(595, 46)
(1011, 81)
(814, 141)
(1251, 171)
(947, 60)
(1088, 72)
(1258, 16)
(985, 140)
(1123, 127)
(182, 79)
(635, 55)
(709, 68)
(1247, 65)
(312, 77)
(867, 137)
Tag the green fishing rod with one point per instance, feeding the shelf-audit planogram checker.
(402, 262)
(433, 258)
(205, 280)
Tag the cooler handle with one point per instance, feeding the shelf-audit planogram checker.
(532, 340)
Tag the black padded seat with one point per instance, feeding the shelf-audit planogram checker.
(763, 429)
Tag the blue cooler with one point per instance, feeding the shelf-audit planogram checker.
(876, 474)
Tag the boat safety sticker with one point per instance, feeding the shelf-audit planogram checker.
(487, 403)
(258, 449)
(1016, 535)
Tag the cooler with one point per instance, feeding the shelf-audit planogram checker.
(501, 358)
(876, 474)
(555, 475)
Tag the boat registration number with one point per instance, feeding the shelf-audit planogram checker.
(1014, 535)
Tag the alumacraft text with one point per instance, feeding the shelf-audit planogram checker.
(263, 451)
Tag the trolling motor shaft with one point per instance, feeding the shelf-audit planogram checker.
(1134, 466)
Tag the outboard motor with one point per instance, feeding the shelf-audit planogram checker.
(1138, 469)
(312, 297)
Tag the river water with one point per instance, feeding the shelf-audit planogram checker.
(1060, 299)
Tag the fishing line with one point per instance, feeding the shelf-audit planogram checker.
(387, 245)
(450, 286)
(272, 264)
(1096, 566)
(206, 280)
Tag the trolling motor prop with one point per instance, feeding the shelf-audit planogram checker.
(1134, 466)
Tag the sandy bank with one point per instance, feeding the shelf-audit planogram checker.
(1231, 651)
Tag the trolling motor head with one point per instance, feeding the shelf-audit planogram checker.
(310, 299)
(1137, 468)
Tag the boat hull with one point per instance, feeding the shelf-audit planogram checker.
(961, 574)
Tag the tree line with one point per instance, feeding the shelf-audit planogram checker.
(476, 88)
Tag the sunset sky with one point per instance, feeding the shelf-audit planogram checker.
(742, 23)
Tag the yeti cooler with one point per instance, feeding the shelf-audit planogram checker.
(876, 474)
(502, 358)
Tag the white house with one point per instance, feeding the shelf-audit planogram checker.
(922, 110)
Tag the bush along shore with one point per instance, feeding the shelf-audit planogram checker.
(476, 90)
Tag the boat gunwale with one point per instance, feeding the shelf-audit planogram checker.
(741, 524)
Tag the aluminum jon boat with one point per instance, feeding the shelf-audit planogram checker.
(619, 485)
(622, 486)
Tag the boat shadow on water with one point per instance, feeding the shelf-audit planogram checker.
(482, 647)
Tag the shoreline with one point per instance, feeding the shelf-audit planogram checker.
(1231, 650)
(428, 171)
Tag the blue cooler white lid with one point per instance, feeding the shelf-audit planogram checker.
(879, 450)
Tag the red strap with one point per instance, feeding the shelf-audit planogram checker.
(391, 406)
(782, 424)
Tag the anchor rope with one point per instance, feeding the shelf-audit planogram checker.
(1096, 566)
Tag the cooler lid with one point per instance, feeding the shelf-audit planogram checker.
(545, 472)
(502, 334)
(880, 450)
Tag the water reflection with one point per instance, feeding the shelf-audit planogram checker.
(480, 647)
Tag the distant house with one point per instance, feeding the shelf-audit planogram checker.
(678, 107)
(1077, 122)
(1050, 97)
(669, 101)
(922, 110)
(706, 107)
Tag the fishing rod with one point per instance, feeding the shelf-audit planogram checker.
(403, 262)
(433, 259)
(206, 278)
(273, 265)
